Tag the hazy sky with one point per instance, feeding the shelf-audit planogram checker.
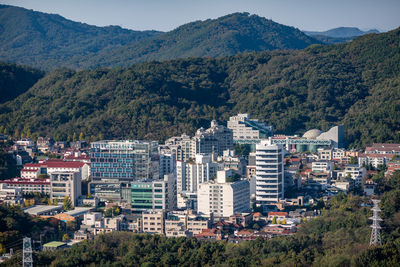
(166, 15)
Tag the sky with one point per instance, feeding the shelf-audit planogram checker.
(165, 15)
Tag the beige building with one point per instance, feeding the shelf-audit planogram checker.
(153, 222)
(64, 184)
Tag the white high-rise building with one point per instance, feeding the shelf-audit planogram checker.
(222, 198)
(269, 172)
(190, 174)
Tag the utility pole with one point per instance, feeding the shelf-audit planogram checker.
(27, 260)
(375, 233)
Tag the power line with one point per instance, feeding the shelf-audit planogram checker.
(375, 233)
(27, 259)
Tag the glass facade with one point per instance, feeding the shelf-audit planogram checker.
(115, 162)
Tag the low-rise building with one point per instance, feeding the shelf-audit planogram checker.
(32, 185)
(153, 222)
(392, 166)
(10, 195)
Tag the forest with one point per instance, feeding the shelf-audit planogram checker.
(49, 41)
(339, 237)
(356, 84)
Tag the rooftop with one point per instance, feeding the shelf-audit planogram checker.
(54, 244)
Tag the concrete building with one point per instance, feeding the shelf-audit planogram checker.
(392, 166)
(245, 128)
(213, 140)
(325, 153)
(115, 164)
(222, 198)
(32, 185)
(355, 172)
(154, 195)
(10, 195)
(269, 173)
(322, 166)
(375, 160)
(393, 149)
(185, 223)
(65, 184)
(192, 173)
(153, 222)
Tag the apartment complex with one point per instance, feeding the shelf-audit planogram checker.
(269, 172)
(222, 198)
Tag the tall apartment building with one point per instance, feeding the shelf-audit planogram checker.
(245, 128)
(154, 195)
(222, 198)
(213, 140)
(65, 184)
(115, 164)
(269, 172)
(192, 173)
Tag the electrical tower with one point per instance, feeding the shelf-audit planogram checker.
(375, 234)
(27, 260)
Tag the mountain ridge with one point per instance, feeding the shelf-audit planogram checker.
(49, 41)
(356, 84)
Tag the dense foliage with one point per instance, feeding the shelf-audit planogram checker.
(15, 80)
(15, 224)
(357, 84)
(46, 41)
(339, 237)
(228, 35)
(8, 165)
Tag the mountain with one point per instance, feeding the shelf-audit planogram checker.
(47, 41)
(227, 35)
(357, 84)
(15, 80)
(342, 32)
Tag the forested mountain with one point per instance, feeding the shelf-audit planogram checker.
(342, 32)
(338, 35)
(228, 35)
(46, 41)
(357, 84)
(15, 80)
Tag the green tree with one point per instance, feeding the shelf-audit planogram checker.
(65, 237)
(67, 203)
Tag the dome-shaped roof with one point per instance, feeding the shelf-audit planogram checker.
(312, 134)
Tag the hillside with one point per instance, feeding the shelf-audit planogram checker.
(341, 32)
(356, 84)
(15, 80)
(227, 35)
(338, 35)
(46, 41)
